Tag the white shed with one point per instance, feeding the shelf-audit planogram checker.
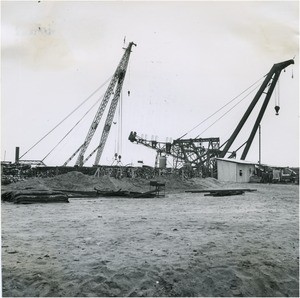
(233, 170)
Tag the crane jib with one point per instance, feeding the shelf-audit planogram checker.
(114, 88)
(270, 81)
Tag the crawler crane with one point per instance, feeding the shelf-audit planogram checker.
(114, 88)
(266, 88)
(202, 158)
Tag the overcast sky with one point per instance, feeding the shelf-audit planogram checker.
(191, 59)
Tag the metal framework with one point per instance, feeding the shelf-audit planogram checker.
(266, 88)
(200, 153)
(197, 153)
(114, 88)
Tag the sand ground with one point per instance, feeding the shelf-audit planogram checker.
(181, 245)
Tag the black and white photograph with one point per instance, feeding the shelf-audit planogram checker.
(149, 148)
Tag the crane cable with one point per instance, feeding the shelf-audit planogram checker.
(73, 127)
(119, 132)
(227, 112)
(57, 125)
(221, 108)
(129, 81)
(277, 93)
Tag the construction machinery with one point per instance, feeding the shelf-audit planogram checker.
(195, 153)
(266, 88)
(200, 153)
(114, 90)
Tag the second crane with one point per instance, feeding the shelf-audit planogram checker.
(115, 87)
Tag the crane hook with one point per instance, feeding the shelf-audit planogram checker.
(277, 108)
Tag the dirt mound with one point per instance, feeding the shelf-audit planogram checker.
(32, 183)
(78, 181)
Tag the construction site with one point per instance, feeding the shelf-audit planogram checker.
(184, 157)
(203, 221)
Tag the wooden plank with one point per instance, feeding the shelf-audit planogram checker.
(220, 190)
(127, 194)
(223, 194)
(79, 193)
